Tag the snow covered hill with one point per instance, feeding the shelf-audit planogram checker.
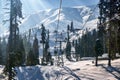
(49, 18)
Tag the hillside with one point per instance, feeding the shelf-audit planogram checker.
(49, 18)
(79, 15)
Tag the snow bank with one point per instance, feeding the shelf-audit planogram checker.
(82, 70)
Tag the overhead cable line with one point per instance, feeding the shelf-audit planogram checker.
(58, 20)
(89, 17)
(59, 14)
(57, 29)
(116, 16)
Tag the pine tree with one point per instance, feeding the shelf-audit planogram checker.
(4, 50)
(72, 27)
(118, 22)
(36, 50)
(86, 44)
(27, 47)
(81, 43)
(22, 52)
(68, 45)
(93, 42)
(111, 9)
(80, 48)
(77, 52)
(31, 58)
(15, 13)
(43, 40)
(118, 40)
(98, 50)
(84, 40)
(68, 50)
(48, 56)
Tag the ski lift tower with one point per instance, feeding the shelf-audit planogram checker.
(59, 50)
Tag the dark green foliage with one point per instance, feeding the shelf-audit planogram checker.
(68, 50)
(118, 40)
(45, 44)
(77, 50)
(68, 36)
(72, 27)
(68, 45)
(80, 47)
(36, 50)
(68, 28)
(43, 40)
(31, 58)
(4, 50)
(43, 34)
(108, 11)
(32, 52)
(85, 45)
(10, 65)
(27, 46)
(46, 51)
(98, 48)
(28, 50)
(13, 47)
(49, 57)
(55, 52)
(20, 53)
(48, 54)
(18, 56)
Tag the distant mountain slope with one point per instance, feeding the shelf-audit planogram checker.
(49, 18)
(79, 15)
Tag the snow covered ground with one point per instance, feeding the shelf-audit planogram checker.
(82, 70)
(85, 70)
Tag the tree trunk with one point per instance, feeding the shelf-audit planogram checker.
(96, 63)
(109, 60)
(109, 49)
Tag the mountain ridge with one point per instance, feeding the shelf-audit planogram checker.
(50, 17)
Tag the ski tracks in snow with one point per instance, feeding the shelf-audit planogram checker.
(71, 73)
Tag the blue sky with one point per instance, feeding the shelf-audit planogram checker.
(30, 6)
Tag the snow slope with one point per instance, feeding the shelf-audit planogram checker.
(49, 18)
(82, 70)
(79, 15)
